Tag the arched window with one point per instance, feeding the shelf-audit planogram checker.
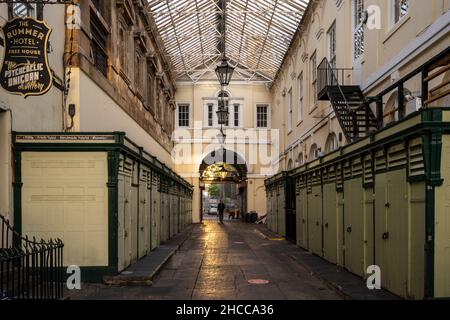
(301, 159)
(223, 94)
(290, 165)
(332, 143)
(393, 112)
(314, 153)
(122, 50)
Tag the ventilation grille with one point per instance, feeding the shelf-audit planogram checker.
(416, 158)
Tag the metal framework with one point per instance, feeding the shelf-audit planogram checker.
(258, 35)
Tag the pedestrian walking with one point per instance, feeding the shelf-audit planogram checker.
(231, 214)
(221, 210)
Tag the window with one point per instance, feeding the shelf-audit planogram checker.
(313, 62)
(290, 165)
(123, 51)
(151, 90)
(183, 115)
(314, 153)
(290, 110)
(138, 73)
(358, 33)
(401, 8)
(262, 116)
(210, 115)
(301, 159)
(332, 45)
(99, 40)
(301, 104)
(332, 143)
(236, 115)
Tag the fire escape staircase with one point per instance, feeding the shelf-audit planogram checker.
(351, 107)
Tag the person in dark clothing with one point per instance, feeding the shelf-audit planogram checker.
(221, 210)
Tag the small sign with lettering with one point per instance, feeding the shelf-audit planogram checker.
(25, 69)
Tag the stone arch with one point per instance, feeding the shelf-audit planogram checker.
(392, 111)
(290, 165)
(332, 143)
(228, 160)
(301, 159)
(314, 152)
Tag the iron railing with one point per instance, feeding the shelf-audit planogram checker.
(328, 76)
(29, 269)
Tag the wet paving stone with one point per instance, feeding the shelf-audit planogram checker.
(216, 262)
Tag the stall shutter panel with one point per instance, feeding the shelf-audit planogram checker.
(65, 196)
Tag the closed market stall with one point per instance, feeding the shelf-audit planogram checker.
(101, 194)
(381, 201)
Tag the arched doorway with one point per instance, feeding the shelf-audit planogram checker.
(223, 176)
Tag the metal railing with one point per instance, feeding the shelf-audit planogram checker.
(329, 76)
(29, 269)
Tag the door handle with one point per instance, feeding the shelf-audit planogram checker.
(126, 235)
(349, 229)
(326, 225)
(317, 223)
(386, 236)
(387, 205)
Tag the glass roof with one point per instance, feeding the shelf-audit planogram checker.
(258, 34)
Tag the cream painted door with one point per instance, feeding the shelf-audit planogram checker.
(134, 223)
(354, 226)
(315, 221)
(65, 196)
(144, 218)
(442, 240)
(330, 235)
(281, 213)
(124, 221)
(165, 217)
(156, 217)
(172, 213)
(304, 219)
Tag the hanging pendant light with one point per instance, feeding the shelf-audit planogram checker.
(222, 115)
(224, 72)
(223, 173)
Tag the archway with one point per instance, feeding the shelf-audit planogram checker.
(290, 165)
(314, 152)
(223, 176)
(332, 143)
(393, 112)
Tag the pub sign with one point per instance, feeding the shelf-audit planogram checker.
(25, 69)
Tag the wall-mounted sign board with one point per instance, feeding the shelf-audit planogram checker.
(58, 138)
(25, 69)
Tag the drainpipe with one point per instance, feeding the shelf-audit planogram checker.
(6, 196)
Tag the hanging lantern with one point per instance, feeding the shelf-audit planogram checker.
(222, 115)
(224, 72)
(223, 173)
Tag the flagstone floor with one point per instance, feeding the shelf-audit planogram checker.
(231, 261)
